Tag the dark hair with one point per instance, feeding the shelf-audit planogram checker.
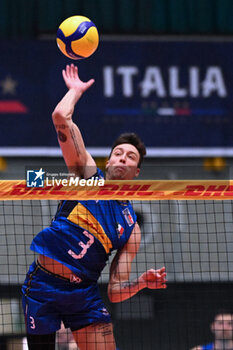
(222, 311)
(134, 140)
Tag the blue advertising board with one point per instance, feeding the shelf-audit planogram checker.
(177, 95)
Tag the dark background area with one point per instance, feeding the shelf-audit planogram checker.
(35, 18)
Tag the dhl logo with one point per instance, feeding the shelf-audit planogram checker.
(119, 190)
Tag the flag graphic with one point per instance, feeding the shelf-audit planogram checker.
(8, 87)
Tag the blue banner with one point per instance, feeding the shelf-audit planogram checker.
(175, 95)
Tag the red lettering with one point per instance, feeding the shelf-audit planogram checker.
(120, 193)
(20, 189)
(56, 190)
(148, 193)
(43, 190)
(145, 187)
(130, 193)
(213, 190)
(108, 190)
(90, 193)
(229, 191)
(194, 190)
(130, 187)
(143, 191)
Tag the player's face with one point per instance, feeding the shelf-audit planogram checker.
(222, 327)
(123, 163)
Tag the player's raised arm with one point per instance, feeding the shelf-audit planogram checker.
(119, 287)
(77, 159)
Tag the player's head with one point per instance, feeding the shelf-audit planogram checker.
(125, 157)
(222, 326)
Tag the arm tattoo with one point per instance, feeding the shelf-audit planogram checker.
(75, 141)
(128, 284)
(61, 136)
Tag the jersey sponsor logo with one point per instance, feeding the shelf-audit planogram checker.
(75, 279)
(128, 216)
(119, 229)
(105, 311)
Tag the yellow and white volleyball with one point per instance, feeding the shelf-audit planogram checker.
(77, 37)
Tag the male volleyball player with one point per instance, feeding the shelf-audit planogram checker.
(222, 329)
(62, 285)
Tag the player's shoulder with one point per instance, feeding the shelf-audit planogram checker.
(98, 174)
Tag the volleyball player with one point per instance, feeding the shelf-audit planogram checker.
(62, 284)
(222, 329)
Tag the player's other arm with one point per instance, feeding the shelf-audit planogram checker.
(77, 159)
(119, 287)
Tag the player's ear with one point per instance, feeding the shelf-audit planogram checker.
(137, 172)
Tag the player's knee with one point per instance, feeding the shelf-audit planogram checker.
(100, 335)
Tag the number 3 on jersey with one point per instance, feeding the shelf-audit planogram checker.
(83, 246)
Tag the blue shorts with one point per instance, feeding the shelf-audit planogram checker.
(48, 300)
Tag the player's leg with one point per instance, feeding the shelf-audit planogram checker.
(44, 341)
(41, 317)
(95, 337)
(88, 318)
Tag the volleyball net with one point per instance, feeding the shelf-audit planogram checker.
(192, 238)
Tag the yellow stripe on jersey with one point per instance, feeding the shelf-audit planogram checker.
(81, 216)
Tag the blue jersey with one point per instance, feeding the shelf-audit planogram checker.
(84, 233)
(208, 346)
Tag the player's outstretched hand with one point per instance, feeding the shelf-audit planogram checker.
(72, 80)
(154, 279)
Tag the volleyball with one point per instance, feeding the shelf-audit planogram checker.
(77, 37)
